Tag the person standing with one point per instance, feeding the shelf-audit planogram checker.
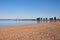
(38, 20)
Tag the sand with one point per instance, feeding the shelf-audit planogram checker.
(42, 31)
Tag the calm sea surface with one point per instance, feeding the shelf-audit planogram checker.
(13, 23)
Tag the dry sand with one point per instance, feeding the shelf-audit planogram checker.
(43, 31)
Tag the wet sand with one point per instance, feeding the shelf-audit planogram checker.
(42, 31)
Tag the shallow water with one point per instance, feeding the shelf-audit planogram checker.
(13, 23)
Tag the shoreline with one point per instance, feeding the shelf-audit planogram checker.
(43, 31)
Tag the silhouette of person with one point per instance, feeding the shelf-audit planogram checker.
(54, 18)
(46, 20)
(41, 20)
(38, 20)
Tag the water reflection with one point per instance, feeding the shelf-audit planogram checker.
(45, 21)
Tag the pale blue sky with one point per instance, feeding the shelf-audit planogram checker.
(29, 8)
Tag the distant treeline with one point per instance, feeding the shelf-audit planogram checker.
(37, 19)
(46, 19)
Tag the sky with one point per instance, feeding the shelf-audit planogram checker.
(13, 9)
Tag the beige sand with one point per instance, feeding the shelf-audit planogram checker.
(43, 31)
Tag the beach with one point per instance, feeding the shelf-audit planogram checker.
(40, 31)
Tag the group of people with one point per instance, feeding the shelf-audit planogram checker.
(46, 19)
